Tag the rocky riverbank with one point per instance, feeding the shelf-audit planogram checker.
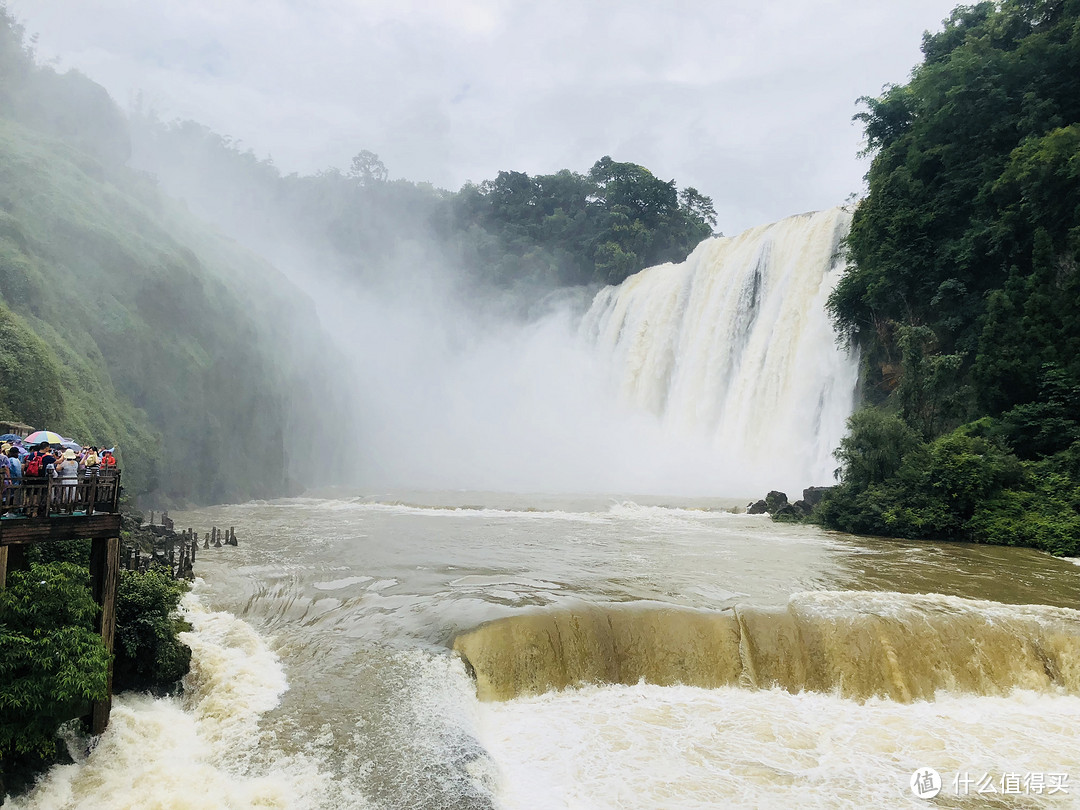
(777, 506)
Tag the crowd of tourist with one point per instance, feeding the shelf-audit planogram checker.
(64, 467)
(45, 461)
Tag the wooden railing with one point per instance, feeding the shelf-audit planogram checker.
(49, 497)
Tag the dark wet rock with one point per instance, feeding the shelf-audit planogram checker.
(813, 495)
(774, 501)
(757, 508)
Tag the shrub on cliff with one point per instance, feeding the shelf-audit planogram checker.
(965, 485)
(149, 656)
(52, 662)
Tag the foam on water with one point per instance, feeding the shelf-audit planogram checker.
(647, 746)
(203, 751)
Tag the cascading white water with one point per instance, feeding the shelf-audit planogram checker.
(734, 346)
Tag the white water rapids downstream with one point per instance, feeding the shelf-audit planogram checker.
(447, 650)
(351, 607)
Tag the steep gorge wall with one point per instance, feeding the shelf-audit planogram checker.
(126, 321)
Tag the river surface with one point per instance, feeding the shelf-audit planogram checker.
(324, 674)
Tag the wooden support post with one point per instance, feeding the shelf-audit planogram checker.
(3, 567)
(93, 497)
(194, 548)
(104, 581)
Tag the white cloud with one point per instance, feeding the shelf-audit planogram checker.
(750, 103)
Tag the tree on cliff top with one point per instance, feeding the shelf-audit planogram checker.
(964, 285)
(972, 222)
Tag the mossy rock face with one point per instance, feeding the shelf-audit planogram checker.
(125, 322)
(30, 383)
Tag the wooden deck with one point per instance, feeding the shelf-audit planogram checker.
(27, 502)
(46, 511)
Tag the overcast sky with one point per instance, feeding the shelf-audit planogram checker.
(750, 102)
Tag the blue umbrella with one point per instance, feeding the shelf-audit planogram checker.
(10, 437)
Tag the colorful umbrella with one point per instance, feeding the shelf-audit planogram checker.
(39, 436)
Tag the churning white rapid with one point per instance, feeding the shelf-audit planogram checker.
(735, 344)
(728, 662)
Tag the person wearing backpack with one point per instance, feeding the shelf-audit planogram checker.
(32, 467)
(34, 476)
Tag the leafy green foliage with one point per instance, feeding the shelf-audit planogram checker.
(149, 656)
(52, 662)
(30, 380)
(67, 551)
(964, 285)
(874, 448)
(569, 228)
(988, 118)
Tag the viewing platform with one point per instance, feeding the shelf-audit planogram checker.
(49, 509)
(46, 510)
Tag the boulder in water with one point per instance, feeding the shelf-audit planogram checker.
(792, 512)
(774, 501)
(757, 508)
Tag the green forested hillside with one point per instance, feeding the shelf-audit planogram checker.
(125, 321)
(964, 290)
(514, 232)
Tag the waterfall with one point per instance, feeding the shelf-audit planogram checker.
(734, 347)
(853, 644)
